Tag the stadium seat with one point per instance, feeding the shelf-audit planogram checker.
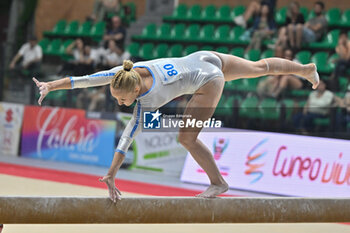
(280, 16)
(322, 122)
(252, 55)
(320, 59)
(223, 14)
(98, 30)
(84, 29)
(222, 34)
(206, 33)
(329, 42)
(208, 13)
(333, 17)
(310, 15)
(248, 108)
(192, 32)
(133, 49)
(222, 49)
(235, 34)
(207, 48)
(64, 46)
(229, 86)
(238, 51)
(304, 11)
(54, 47)
(146, 51)
(44, 43)
(236, 11)
(160, 51)
(71, 28)
(303, 57)
(177, 32)
(300, 93)
(175, 50)
(190, 49)
(194, 13)
(163, 32)
(288, 105)
(332, 60)
(345, 18)
(148, 32)
(343, 83)
(178, 13)
(269, 109)
(267, 53)
(58, 29)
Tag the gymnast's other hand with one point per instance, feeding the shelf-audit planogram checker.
(43, 88)
(114, 193)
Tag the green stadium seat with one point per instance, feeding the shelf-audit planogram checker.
(236, 11)
(238, 51)
(280, 16)
(64, 46)
(146, 51)
(333, 17)
(71, 28)
(223, 14)
(192, 32)
(163, 32)
(343, 83)
(190, 49)
(300, 93)
(304, 11)
(235, 34)
(194, 13)
(98, 30)
(310, 15)
(320, 59)
(206, 34)
(44, 43)
(252, 55)
(269, 109)
(207, 48)
(222, 49)
(54, 47)
(332, 60)
(177, 32)
(149, 31)
(229, 86)
(84, 29)
(175, 50)
(345, 18)
(208, 13)
(133, 49)
(160, 51)
(322, 122)
(303, 57)
(180, 11)
(267, 53)
(58, 29)
(329, 42)
(248, 108)
(222, 34)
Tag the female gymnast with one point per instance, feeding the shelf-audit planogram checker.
(154, 83)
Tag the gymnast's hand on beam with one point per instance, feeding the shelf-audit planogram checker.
(114, 193)
(43, 88)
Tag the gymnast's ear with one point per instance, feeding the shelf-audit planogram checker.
(137, 89)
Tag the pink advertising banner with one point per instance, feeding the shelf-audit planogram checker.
(277, 163)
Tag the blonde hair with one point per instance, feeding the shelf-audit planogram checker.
(127, 78)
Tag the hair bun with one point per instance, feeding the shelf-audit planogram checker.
(127, 65)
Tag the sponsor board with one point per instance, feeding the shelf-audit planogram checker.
(11, 116)
(67, 135)
(277, 163)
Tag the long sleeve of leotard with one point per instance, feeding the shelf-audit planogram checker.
(131, 130)
(92, 80)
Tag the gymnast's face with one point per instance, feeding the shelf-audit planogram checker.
(124, 97)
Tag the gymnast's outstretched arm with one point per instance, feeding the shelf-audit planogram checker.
(93, 80)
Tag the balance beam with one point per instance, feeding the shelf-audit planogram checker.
(172, 210)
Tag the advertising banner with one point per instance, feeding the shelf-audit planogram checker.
(277, 163)
(159, 152)
(11, 116)
(67, 135)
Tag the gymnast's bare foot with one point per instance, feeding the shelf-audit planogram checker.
(312, 76)
(214, 190)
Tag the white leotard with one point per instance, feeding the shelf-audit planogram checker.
(172, 77)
